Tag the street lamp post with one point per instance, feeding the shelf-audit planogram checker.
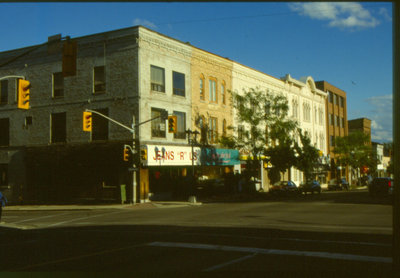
(192, 140)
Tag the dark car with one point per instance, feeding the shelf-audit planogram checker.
(381, 186)
(310, 186)
(340, 184)
(284, 188)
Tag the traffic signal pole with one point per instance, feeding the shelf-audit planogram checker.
(132, 129)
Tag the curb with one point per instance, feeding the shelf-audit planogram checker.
(95, 207)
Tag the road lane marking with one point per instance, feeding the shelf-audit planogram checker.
(230, 262)
(36, 218)
(263, 251)
(82, 218)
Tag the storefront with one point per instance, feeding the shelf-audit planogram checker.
(171, 168)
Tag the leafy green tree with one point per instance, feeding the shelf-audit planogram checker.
(355, 151)
(262, 119)
(307, 155)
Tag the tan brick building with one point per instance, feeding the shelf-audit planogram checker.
(336, 119)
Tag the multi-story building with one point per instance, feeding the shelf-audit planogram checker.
(336, 122)
(132, 76)
(360, 124)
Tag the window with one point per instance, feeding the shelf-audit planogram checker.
(58, 84)
(4, 92)
(332, 141)
(58, 127)
(202, 94)
(178, 83)
(321, 116)
(157, 79)
(223, 96)
(342, 122)
(5, 132)
(28, 120)
(212, 130)
(330, 119)
(341, 101)
(99, 77)
(306, 112)
(181, 125)
(335, 99)
(100, 125)
(330, 97)
(213, 90)
(3, 174)
(158, 125)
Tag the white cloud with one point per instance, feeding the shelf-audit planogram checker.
(381, 117)
(339, 14)
(383, 12)
(144, 22)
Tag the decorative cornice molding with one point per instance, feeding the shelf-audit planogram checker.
(173, 47)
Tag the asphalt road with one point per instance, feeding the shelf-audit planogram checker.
(330, 234)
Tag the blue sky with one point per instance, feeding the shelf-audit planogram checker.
(348, 44)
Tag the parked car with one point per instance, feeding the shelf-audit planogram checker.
(310, 186)
(284, 188)
(381, 186)
(340, 184)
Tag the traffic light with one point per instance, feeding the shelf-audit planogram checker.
(143, 155)
(172, 124)
(23, 93)
(126, 154)
(87, 121)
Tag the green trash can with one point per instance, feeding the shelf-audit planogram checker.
(123, 193)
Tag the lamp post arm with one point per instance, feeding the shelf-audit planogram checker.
(12, 76)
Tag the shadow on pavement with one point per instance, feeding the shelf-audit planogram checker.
(124, 249)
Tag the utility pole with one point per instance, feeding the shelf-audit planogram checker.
(134, 151)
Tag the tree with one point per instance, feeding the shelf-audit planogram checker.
(262, 118)
(307, 155)
(355, 151)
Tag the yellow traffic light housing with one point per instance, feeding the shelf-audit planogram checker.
(23, 93)
(87, 121)
(143, 155)
(126, 154)
(172, 124)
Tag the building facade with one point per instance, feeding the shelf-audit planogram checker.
(132, 76)
(336, 121)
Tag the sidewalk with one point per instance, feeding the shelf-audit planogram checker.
(147, 205)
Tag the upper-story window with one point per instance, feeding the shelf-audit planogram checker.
(4, 92)
(99, 78)
(58, 84)
(158, 125)
(330, 97)
(306, 112)
(341, 101)
(335, 99)
(5, 132)
(202, 94)
(178, 83)
(181, 125)
(213, 90)
(157, 79)
(212, 130)
(223, 93)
